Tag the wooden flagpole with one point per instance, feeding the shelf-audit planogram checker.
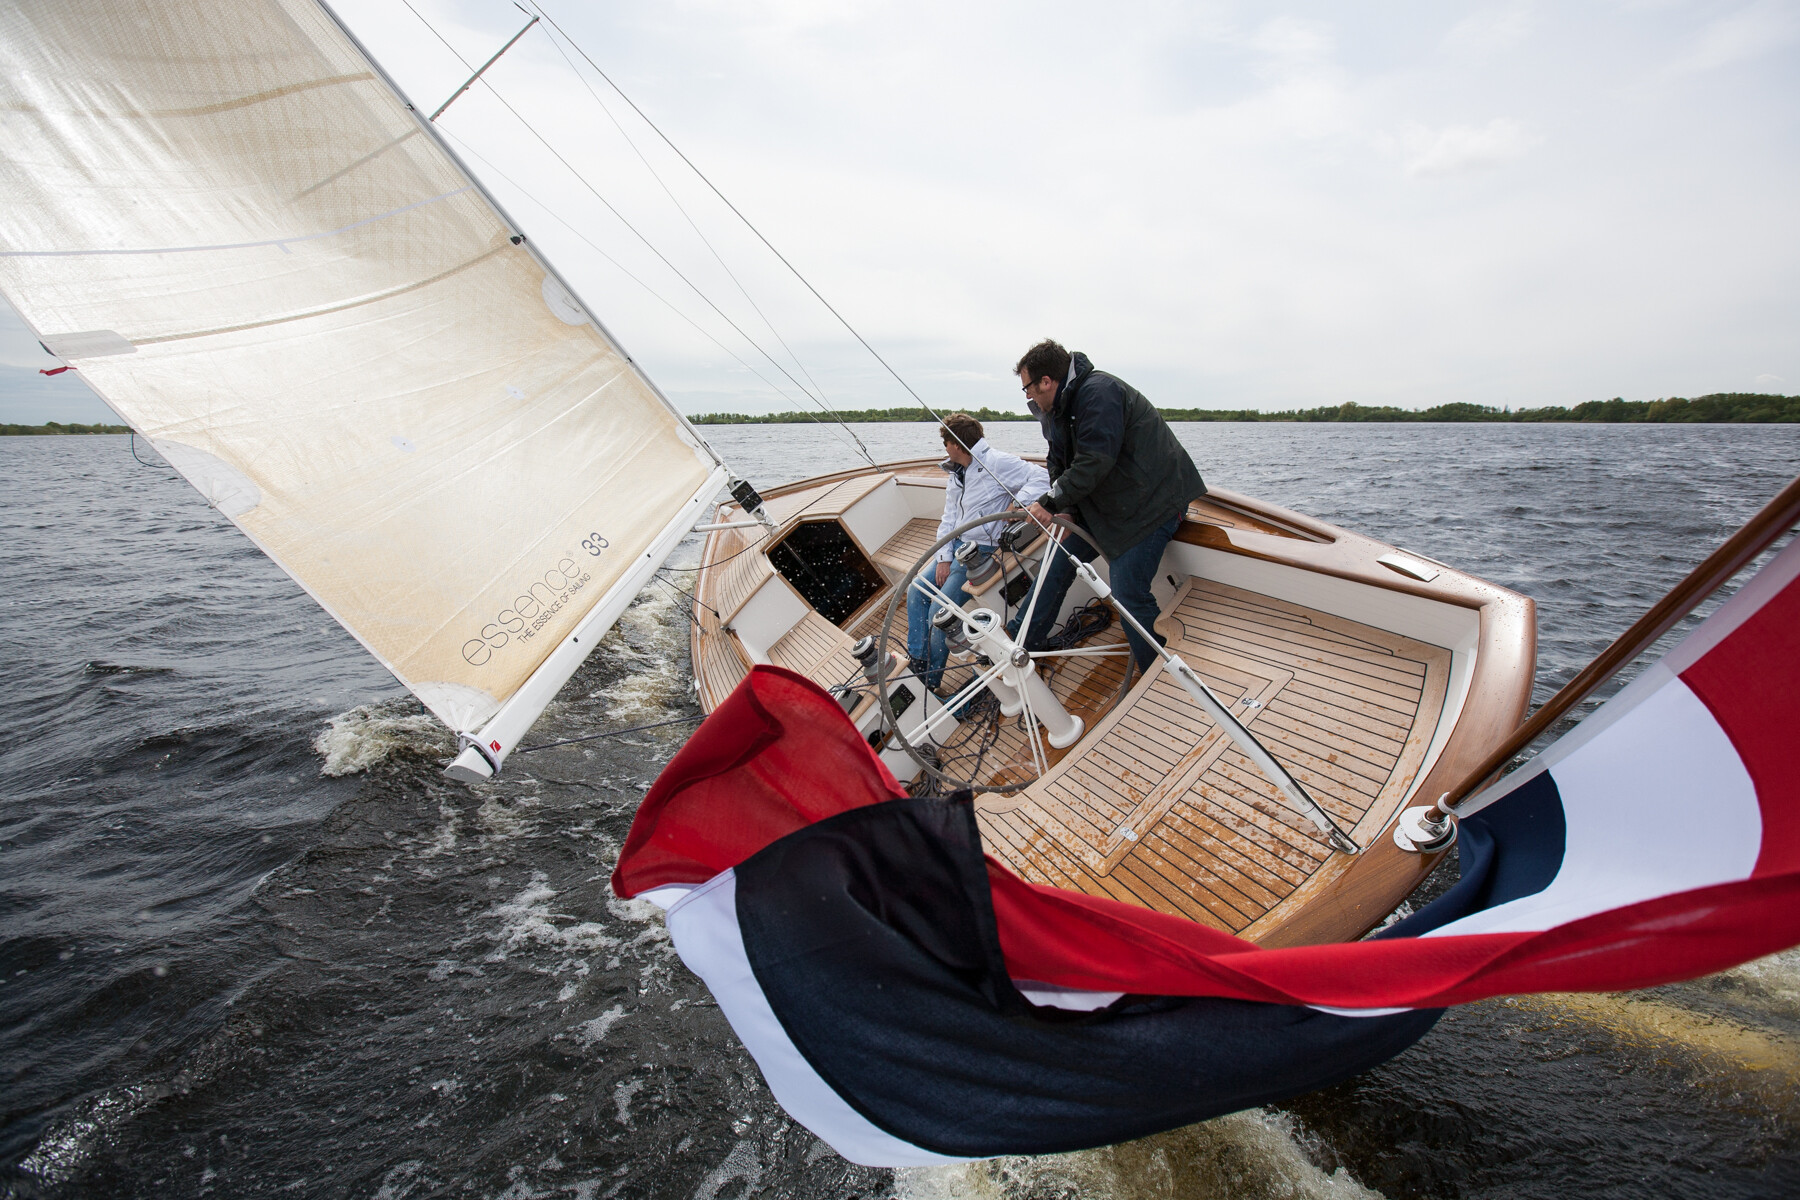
(1775, 519)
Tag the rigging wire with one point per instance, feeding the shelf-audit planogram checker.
(623, 220)
(688, 612)
(679, 590)
(556, 40)
(1055, 545)
(701, 175)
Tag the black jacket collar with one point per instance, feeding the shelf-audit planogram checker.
(1065, 394)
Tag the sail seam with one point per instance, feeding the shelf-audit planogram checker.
(328, 309)
(204, 110)
(625, 271)
(283, 242)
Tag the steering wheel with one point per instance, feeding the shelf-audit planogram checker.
(1006, 670)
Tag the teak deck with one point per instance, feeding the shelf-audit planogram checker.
(1159, 809)
(1155, 806)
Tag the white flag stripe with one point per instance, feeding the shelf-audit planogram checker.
(1656, 802)
(1758, 591)
(705, 929)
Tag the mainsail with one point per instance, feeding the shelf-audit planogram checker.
(256, 251)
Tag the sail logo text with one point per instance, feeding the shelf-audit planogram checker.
(534, 609)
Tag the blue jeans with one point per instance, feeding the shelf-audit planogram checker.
(935, 652)
(1132, 572)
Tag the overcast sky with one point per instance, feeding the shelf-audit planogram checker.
(1229, 205)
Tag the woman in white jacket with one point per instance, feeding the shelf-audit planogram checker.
(982, 480)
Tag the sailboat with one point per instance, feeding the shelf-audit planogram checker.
(237, 229)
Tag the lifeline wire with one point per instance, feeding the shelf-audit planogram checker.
(612, 733)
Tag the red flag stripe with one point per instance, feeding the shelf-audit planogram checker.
(1748, 683)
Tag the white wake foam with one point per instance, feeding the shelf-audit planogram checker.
(527, 920)
(372, 733)
(1776, 977)
(648, 641)
(1246, 1156)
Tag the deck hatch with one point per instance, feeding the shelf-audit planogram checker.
(822, 562)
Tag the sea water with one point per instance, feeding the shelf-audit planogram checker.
(252, 942)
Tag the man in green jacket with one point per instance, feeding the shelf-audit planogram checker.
(1117, 470)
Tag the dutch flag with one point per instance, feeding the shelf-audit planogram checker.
(911, 1001)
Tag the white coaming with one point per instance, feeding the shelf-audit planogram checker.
(923, 497)
(881, 514)
(766, 617)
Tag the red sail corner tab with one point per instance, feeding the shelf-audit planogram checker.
(54, 370)
(776, 756)
(1748, 684)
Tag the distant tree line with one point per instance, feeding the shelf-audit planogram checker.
(1736, 408)
(53, 427)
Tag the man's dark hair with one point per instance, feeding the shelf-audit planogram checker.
(962, 429)
(1045, 358)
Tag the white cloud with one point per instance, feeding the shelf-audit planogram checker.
(1751, 32)
(1491, 30)
(1767, 382)
(1455, 149)
(1289, 43)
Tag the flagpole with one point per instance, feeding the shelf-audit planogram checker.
(1775, 519)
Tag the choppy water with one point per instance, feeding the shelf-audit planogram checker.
(252, 942)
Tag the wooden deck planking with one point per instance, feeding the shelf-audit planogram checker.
(1373, 760)
(1276, 615)
(1207, 861)
(1347, 708)
(1350, 708)
(1356, 677)
(825, 499)
(1337, 724)
(732, 583)
(1243, 854)
(720, 667)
